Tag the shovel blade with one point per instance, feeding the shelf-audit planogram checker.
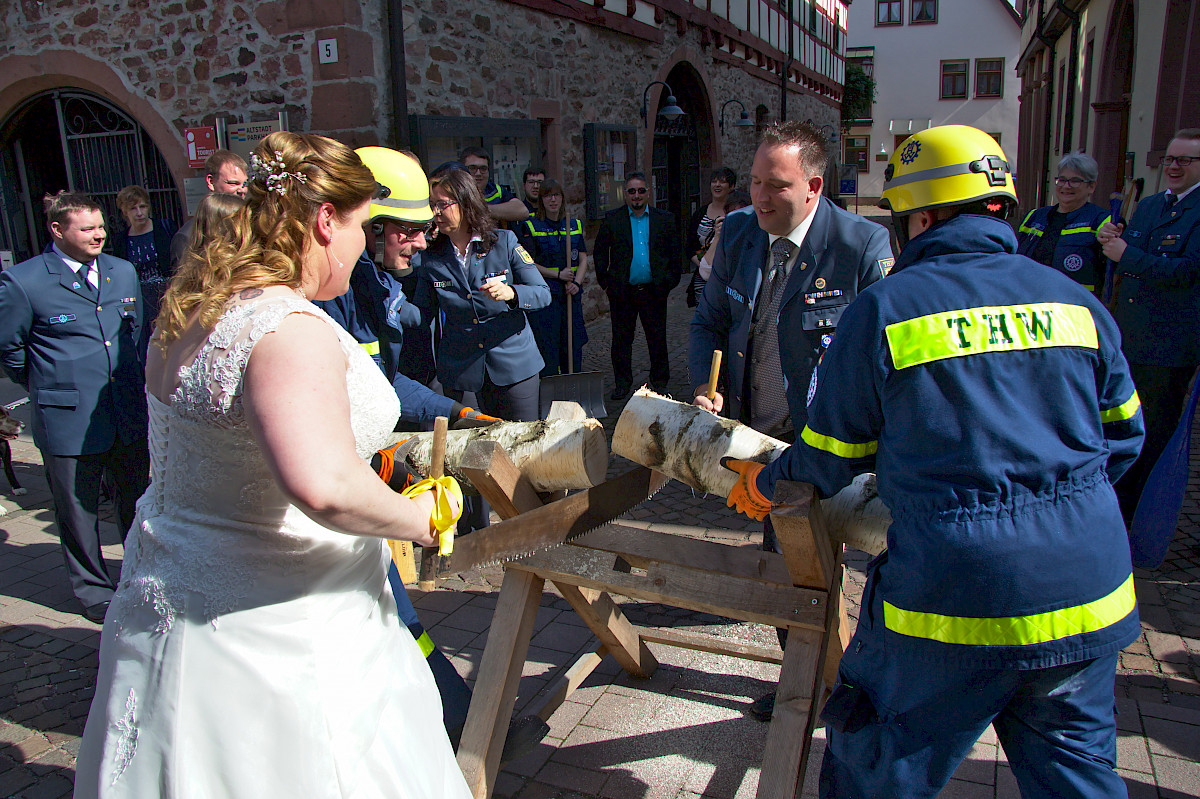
(585, 388)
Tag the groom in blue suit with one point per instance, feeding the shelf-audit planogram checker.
(69, 324)
(785, 270)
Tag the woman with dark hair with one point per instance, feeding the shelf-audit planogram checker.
(722, 181)
(482, 282)
(145, 243)
(252, 647)
(545, 237)
(703, 224)
(704, 258)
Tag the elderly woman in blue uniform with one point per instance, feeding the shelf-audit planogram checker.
(545, 237)
(1063, 235)
(482, 281)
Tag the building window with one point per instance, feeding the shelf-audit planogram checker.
(889, 12)
(989, 77)
(954, 80)
(923, 11)
(858, 151)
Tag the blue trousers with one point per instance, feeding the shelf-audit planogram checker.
(456, 695)
(902, 731)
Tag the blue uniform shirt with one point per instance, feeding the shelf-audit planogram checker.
(639, 263)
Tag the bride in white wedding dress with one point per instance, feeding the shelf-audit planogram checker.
(252, 648)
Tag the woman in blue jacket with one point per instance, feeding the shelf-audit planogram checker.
(1063, 236)
(544, 236)
(482, 281)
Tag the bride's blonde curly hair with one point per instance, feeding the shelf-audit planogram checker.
(264, 242)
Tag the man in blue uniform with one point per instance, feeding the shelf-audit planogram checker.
(1156, 301)
(991, 398)
(69, 324)
(780, 281)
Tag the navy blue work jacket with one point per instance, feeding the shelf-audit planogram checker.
(375, 311)
(76, 354)
(481, 336)
(544, 240)
(842, 254)
(991, 398)
(1158, 303)
(1077, 254)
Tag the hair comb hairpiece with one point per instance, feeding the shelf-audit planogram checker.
(273, 172)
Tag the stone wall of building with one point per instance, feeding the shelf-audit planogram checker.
(492, 58)
(195, 60)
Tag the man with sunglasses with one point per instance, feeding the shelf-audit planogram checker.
(639, 259)
(1156, 302)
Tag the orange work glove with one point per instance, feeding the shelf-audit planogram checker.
(466, 417)
(745, 497)
(397, 476)
(471, 413)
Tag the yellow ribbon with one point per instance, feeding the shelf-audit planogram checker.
(444, 515)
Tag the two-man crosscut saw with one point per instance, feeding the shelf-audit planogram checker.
(553, 524)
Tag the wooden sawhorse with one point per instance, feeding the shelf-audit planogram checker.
(799, 590)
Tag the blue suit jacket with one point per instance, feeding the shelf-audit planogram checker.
(479, 333)
(78, 357)
(842, 254)
(1158, 306)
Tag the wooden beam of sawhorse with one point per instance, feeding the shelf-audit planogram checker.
(671, 570)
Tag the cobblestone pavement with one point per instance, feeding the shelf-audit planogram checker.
(682, 734)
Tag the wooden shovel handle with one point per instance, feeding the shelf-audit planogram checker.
(713, 373)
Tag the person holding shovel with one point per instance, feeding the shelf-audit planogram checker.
(546, 237)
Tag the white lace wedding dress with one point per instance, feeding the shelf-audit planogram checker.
(250, 652)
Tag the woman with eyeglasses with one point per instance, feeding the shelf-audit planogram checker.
(545, 237)
(481, 282)
(1063, 236)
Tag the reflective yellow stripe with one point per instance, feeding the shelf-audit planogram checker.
(1067, 231)
(372, 347)
(1035, 231)
(990, 329)
(839, 448)
(426, 644)
(576, 230)
(1089, 288)
(1014, 630)
(1122, 412)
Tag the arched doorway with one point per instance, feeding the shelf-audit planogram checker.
(1112, 106)
(682, 146)
(73, 139)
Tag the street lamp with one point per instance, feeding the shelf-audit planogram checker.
(828, 131)
(670, 110)
(744, 120)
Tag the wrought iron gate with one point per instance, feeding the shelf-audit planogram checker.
(102, 150)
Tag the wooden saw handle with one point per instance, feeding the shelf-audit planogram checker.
(437, 467)
(713, 373)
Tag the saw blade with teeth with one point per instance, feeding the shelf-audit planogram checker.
(553, 524)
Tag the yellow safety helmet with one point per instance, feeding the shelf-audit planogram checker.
(946, 166)
(403, 188)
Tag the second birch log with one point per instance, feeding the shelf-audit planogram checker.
(556, 454)
(686, 443)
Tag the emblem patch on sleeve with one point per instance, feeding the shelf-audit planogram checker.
(526, 257)
(886, 264)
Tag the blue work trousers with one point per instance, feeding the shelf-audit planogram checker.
(456, 695)
(903, 730)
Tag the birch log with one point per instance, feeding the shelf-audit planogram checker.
(687, 443)
(554, 455)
